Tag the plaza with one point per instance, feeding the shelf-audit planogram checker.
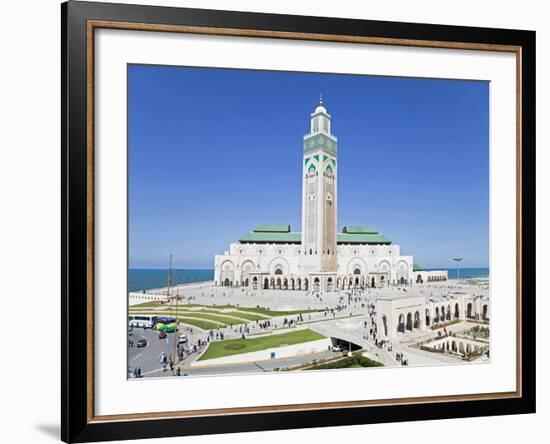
(352, 319)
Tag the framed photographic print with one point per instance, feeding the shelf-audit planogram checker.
(276, 221)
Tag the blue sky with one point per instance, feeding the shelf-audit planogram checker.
(215, 152)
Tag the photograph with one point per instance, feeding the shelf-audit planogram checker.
(242, 222)
(284, 221)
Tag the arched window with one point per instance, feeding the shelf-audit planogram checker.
(278, 271)
(357, 271)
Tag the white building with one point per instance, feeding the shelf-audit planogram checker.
(401, 313)
(319, 258)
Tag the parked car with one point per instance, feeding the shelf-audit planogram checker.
(162, 335)
(182, 339)
(142, 343)
(337, 348)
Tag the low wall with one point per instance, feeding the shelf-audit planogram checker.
(287, 351)
(135, 298)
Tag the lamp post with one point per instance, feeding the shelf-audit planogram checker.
(457, 260)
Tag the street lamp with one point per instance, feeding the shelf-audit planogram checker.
(457, 260)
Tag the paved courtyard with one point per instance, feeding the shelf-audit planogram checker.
(346, 316)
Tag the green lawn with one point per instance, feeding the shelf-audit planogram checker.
(356, 361)
(237, 346)
(205, 325)
(204, 315)
(268, 312)
(218, 318)
(147, 304)
(250, 313)
(249, 316)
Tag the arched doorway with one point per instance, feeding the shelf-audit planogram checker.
(226, 282)
(285, 284)
(329, 284)
(272, 286)
(382, 281)
(416, 320)
(299, 283)
(316, 284)
(402, 281)
(278, 283)
(485, 313)
(246, 269)
(266, 283)
(442, 314)
(448, 312)
(469, 308)
(292, 283)
(457, 312)
(385, 324)
(306, 284)
(401, 324)
(436, 314)
(373, 282)
(254, 283)
(427, 317)
(419, 279)
(409, 322)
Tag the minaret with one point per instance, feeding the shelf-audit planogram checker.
(319, 194)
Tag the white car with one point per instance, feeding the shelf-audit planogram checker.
(182, 339)
(337, 348)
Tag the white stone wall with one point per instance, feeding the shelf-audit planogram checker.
(423, 277)
(397, 312)
(263, 355)
(454, 306)
(357, 265)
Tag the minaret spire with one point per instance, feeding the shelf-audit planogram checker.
(321, 99)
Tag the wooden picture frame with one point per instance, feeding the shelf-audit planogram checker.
(79, 22)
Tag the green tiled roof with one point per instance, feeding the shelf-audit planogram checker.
(272, 229)
(264, 237)
(276, 234)
(361, 238)
(362, 229)
(416, 267)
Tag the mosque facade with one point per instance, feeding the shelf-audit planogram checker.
(319, 258)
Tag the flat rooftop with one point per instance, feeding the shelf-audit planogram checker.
(400, 295)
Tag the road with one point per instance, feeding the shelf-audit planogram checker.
(148, 357)
(152, 367)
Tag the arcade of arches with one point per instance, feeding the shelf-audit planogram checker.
(279, 281)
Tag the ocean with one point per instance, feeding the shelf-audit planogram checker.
(140, 279)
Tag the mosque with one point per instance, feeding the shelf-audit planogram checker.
(318, 258)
